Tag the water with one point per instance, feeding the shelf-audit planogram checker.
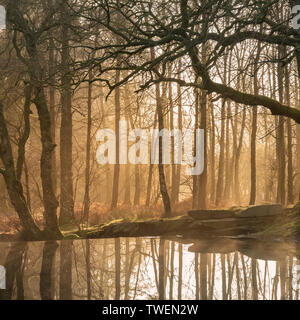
(150, 268)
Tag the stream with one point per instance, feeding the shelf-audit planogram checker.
(150, 268)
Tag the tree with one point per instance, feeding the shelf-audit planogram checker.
(180, 33)
(36, 73)
(13, 184)
(66, 128)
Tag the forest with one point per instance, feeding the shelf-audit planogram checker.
(73, 68)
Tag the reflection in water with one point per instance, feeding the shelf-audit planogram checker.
(14, 265)
(66, 268)
(150, 269)
(118, 268)
(47, 271)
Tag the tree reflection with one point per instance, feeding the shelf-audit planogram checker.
(65, 279)
(161, 263)
(47, 270)
(117, 269)
(157, 268)
(14, 266)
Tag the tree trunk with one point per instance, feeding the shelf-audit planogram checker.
(196, 179)
(173, 166)
(290, 185)
(297, 184)
(227, 183)
(212, 155)
(37, 77)
(13, 185)
(127, 184)
(253, 154)
(202, 192)
(161, 169)
(280, 143)
(86, 202)
(66, 128)
(237, 159)
(137, 192)
(220, 182)
(115, 191)
(180, 127)
(52, 72)
(149, 185)
(49, 199)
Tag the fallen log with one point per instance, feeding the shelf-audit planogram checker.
(184, 226)
(238, 212)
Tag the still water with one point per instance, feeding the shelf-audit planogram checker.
(151, 268)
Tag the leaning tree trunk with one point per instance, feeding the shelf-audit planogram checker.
(37, 77)
(13, 185)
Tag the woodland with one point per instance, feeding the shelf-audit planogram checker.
(69, 68)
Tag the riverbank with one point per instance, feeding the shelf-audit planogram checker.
(271, 222)
(234, 222)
